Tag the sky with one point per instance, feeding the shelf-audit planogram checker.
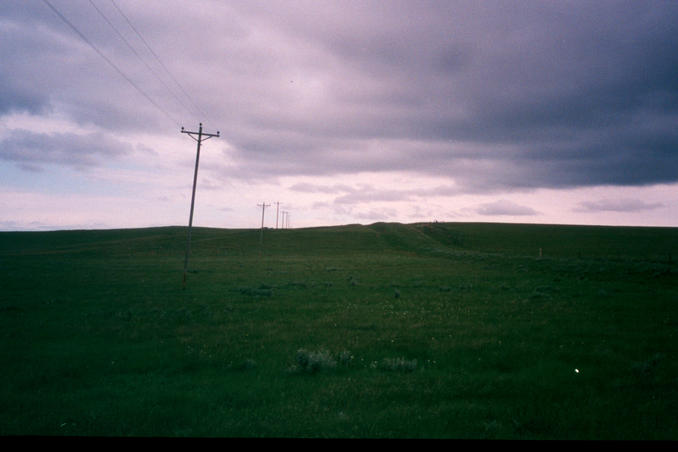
(337, 112)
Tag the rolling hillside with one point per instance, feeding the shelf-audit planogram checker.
(435, 330)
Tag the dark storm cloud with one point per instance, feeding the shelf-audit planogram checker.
(47, 66)
(23, 84)
(16, 96)
(33, 150)
(495, 95)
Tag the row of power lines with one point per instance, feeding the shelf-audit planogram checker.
(285, 218)
(148, 57)
(175, 90)
(159, 72)
(280, 222)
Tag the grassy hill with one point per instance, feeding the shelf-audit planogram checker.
(438, 330)
(510, 239)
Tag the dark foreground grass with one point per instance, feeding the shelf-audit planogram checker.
(388, 330)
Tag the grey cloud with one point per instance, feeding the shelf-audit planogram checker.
(9, 225)
(355, 195)
(23, 83)
(617, 205)
(375, 214)
(504, 207)
(368, 193)
(47, 66)
(314, 188)
(15, 96)
(33, 150)
(371, 214)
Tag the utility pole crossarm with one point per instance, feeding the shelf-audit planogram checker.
(202, 136)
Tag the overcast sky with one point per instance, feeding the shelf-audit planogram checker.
(340, 111)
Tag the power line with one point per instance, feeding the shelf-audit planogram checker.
(105, 58)
(120, 35)
(198, 110)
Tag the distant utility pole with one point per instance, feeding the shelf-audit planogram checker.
(277, 209)
(201, 136)
(263, 208)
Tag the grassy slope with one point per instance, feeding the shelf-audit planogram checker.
(455, 330)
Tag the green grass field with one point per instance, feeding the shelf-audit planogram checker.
(437, 330)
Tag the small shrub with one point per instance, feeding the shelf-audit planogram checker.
(345, 358)
(648, 367)
(248, 364)
(397, 365)
(261, 291)
(312, 362)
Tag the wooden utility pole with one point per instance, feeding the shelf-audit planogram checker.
(201, 136)
(263, 208)
(277, 210)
